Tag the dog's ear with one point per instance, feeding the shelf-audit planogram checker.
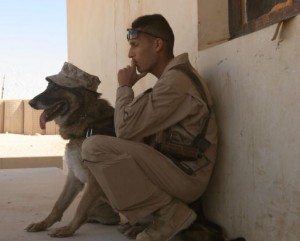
(96, 94)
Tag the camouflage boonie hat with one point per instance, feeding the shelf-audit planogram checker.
(71, 76)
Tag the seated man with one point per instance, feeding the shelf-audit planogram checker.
(165, 149)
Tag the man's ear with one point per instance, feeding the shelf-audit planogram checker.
(158, 44)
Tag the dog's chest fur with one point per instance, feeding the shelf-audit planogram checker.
(73, 159)
(99, 114)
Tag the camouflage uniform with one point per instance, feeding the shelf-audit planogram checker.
(136, 178)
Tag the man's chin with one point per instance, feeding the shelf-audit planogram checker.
(139, 69)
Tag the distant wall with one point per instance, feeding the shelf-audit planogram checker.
(17, 117)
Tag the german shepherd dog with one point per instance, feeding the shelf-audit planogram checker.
(75, 110)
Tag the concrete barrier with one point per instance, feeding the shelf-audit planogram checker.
(1, 116)
(17, 117)
(14, 116)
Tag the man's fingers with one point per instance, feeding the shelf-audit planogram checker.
(133, 65)
(138, 76)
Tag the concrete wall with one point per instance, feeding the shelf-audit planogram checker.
(97, 35)
(213, 28)
(255, 83)
(255, 189)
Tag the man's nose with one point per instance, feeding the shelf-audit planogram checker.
(130, 53)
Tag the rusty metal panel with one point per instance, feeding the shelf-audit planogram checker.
(246, 16)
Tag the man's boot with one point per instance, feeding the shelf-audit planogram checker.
(168, 221)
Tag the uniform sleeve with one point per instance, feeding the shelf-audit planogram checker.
(149, 113)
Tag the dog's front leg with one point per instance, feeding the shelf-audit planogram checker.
(71, 188)
(90, 197)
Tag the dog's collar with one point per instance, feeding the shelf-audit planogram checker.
(108, 131)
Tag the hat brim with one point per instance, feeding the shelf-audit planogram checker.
(64, 81)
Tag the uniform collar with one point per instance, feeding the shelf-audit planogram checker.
(180, 59)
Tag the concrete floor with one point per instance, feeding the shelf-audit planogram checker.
(30, 188)
(27, 195)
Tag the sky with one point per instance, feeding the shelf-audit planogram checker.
(33, 45)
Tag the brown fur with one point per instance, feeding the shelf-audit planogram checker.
(75, 110)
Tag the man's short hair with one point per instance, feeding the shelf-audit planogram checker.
(158, 26)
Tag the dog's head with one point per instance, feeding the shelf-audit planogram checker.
(62, 104)
(66, 98)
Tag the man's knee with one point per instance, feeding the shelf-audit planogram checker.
(95, 144)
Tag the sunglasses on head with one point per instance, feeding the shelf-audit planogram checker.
(133, 34)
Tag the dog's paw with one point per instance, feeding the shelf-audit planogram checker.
(61, 232)
(36, 227)
(131, 231)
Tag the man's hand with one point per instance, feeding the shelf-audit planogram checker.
(128, 76)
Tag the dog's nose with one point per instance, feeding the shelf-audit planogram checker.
(32, 103)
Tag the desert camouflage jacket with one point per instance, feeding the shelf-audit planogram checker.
(172, 109)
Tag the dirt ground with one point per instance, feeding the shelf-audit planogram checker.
(14, 145)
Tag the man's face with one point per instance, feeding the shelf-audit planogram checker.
(142, 51)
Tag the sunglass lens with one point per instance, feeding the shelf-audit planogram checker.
(131, 34)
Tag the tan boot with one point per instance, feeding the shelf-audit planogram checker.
(168, 221)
